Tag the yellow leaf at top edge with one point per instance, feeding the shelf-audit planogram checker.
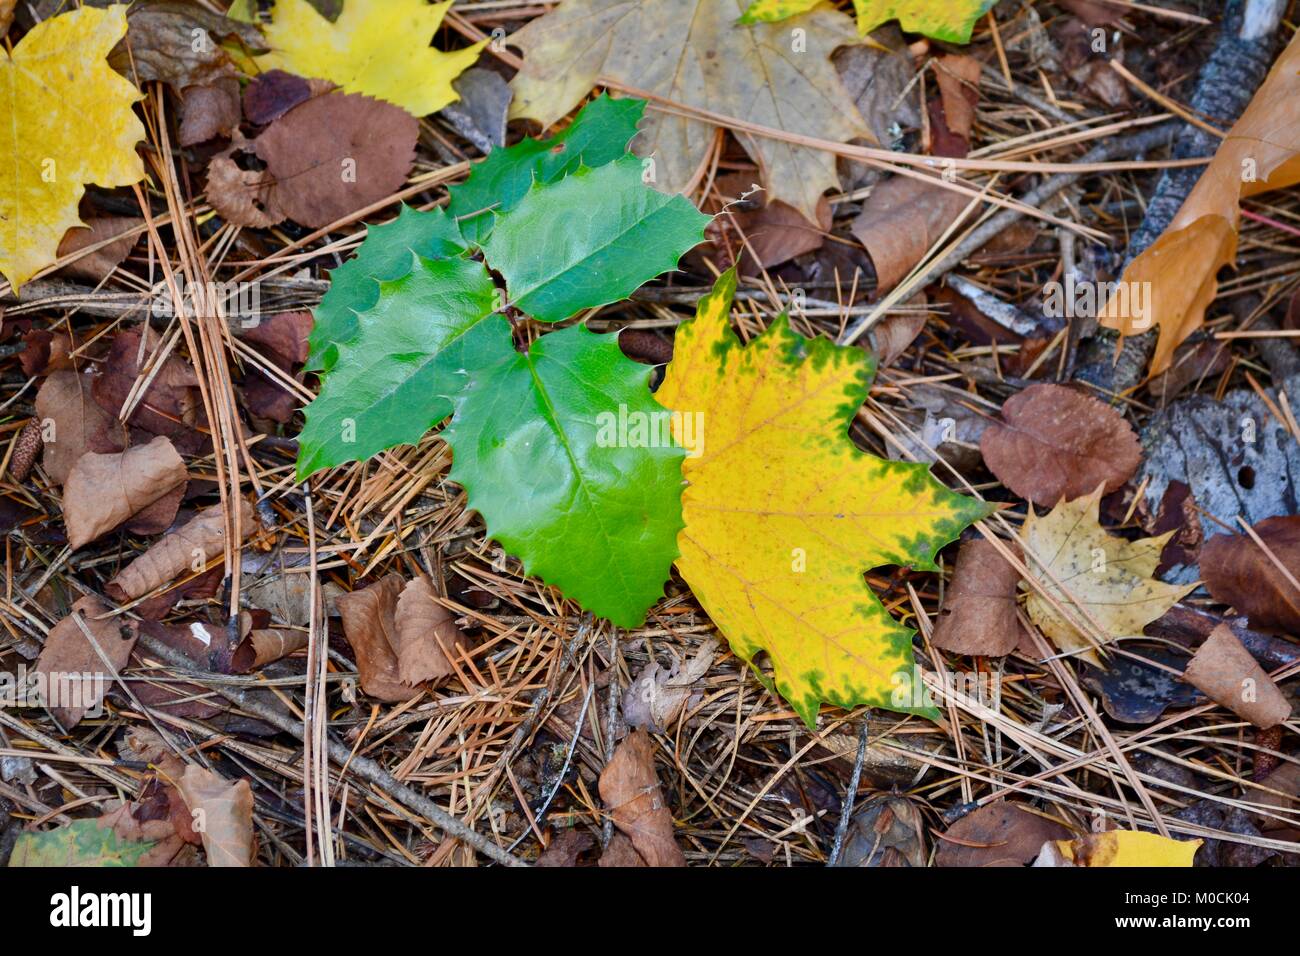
(783, 514)
(1075, 559)
(71, 123)
(376, 47)
(1117, 848)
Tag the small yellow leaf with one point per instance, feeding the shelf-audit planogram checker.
(949, 20)
(70, 123)
(783, 514)
(1128, 848)
(1107, 575)
(376, 47)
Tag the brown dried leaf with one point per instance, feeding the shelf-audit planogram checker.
(337, 153)
(997, 834)
(209, 110)
(188, 548)
(979, 608)
(73, 423)
(75, 674)
(44, 352)
(370, 627)
(630, 790)
(223, 815)
(656, 697)
(102, 491)
(1178, 273)
(1055, 443)
(262, 646)
(1238, 572)
(1224, 671)
(958, 77)
(171, 403)
(178, 43)
(96, 266)
(270, 95)
(565, 848)
(243, 197)
(426, 637)
(900, 221)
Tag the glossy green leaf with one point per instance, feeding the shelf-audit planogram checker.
(386, 253)
(572, 464)
(80, 843)
(590, 239)
(393, 379)
(598, 135)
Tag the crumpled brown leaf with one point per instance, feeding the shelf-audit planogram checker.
(209, 110)
(170, 405)
(261, 646)
(958, 78)
(901, 220)
(1054, 442)
(1224, 671)
(979, 607)
(370, 627)
(73, 423)
(997, 834)
(179, 43)
(187, 548)
(243, 197)
(1238, 572)
(656, 697)
(45, 351)
(222, 812)
(630, 790)
(102, 491)
(1180, 269)
(335, 154)
(75, 674)
(426, 637)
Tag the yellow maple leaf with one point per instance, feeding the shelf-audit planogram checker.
(1117, 848)
(948, 20)
(376, 47)
(70, 123)
(783, 514)
(1112, 578)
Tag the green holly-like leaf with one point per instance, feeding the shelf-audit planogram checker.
(590, 239)
(392, 380)
(386, 253)
(80, 843)
(571, 463)
(598, 135)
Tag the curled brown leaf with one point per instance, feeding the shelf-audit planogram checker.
(102, 491)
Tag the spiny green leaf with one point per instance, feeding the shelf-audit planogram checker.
(392, 380)
(386, 253)
(570, 461)
(600, 134)
(592, 238)
(80, 843)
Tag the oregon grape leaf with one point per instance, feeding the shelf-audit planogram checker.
(592, 238)
(572, 464)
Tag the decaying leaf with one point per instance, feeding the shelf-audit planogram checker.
(223, 815)
(1070, 554)
(335, 154)
(97, 265)
(54, 79)
(102, 491)
(1055, 443)
(169, 406)
(784, 514)
(262, 646)
(1239, 573)
(888, 832)
(244, 197)
(94, 843)
(179, 43)
(1225, 671)
(899, 222)
(690, 51)
(979, 608)
(997, 834)
(630, 790)
(1173, 281)
(427, 638)
(369, 622)
(75, 673)
(654, 700)
(381, 48)
(1128, 848)
(188, 548)
(73, 423)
